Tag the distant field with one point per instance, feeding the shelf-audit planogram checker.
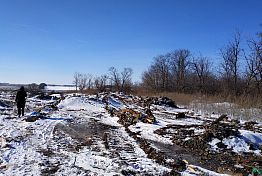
(48, 87)
(60, 87)
(9, 87)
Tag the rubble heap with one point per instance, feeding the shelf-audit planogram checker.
(223, 159)
(5, 104)
(162, 101)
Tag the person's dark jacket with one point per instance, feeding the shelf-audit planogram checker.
(20, 97)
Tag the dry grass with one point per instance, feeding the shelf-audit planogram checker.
(242, 107)
(249, 101)
(243, 101)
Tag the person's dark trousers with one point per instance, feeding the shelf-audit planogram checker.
(19, 111)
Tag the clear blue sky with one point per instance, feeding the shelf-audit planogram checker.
(49, 40)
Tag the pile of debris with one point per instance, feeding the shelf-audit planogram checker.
(253, 126)
(5, 105)
(43, 106)
(129, 116)
(223, 159)
(162, 101)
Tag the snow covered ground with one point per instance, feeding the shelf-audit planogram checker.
(79, 137)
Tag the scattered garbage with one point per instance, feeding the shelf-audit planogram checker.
(162, 101)
(165, 101)
(256, 171)
(4, 105)
(213, 144)
(129, 116)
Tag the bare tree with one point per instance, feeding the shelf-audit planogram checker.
(97, 83)
(231, 55)
(126, 79)
(89, 81)
(82, 82)
(151, 78)
(254, 65)
(158, 75)
(162, 67)
(168, 71)
(121, 81)
(101, 82)
(179, 61)
(76, 79)
(201, 68)
(114, 77)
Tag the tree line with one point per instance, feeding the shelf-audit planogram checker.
(239, 71)
(113, 81)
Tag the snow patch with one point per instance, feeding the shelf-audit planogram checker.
(147, 132)
(80, 103)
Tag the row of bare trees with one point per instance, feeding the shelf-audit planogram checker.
(178, 71)
(113, 81)
(239, 71)
(254, 66)
(82, 81)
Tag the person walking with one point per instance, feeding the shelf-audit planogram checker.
(20, 100)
